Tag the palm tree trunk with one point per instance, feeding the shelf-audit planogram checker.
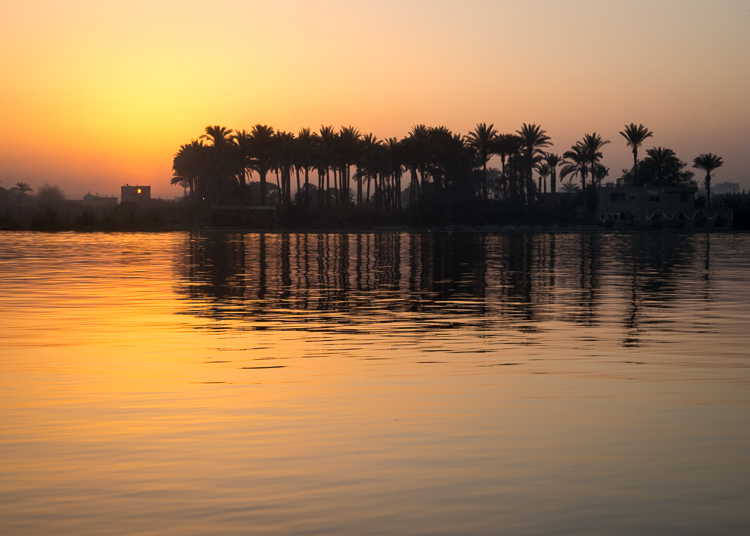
(307, 187)
(262, 173)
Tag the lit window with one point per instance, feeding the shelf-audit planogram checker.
(139, 190)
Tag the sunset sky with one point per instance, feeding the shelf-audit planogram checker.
(96, 94)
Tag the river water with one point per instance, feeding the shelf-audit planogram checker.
(374, 383)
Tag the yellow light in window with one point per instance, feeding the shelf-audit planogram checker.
(139, 190)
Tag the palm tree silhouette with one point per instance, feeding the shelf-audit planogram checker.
(189, 165)
(592, 144)
(21, 188)
(306, 146)
(663, 160)
(483, 140)
(576, 163)
(552, 161)
(533, 139)
(708, 162)
(262, 146)
(544, 171)
(635, 136)
(349, 148)
(329, 157)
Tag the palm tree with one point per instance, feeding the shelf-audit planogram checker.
(306, 145)
(544, 171)
(349, 147)
(663, 161)
(576, 163)
(592, 144)
(262, 148)
(552, 161)
(218, 136)
(21, 188)
(707, 162)
(533, 139)
(506, 146)
(415, 152)
(225, 163)
(635, 136)
(283, 161)
(483, 140)
(189, 165)
(330, 157)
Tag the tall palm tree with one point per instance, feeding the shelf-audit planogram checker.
(283, 161)
(576, 163)
(349, 147)
(592, 144)
(218, 136)
(416, 147)
(552, 160)
(483, 140)
(189, 164)
(635, 136)
(243, 140)
(331, 157)
(544, 171)
(533, 140)
(262, 148)
(663, 161)
(708, 162)
(506, 146)
(21, 188)
(395, 156)
(306, 146)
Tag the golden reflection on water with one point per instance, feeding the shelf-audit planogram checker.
(373, 383)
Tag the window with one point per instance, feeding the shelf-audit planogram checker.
(617, 196)
(683, 198)
(654, 198)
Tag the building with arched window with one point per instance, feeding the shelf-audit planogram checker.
(672, 205)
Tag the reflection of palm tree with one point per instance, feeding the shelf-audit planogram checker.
(708, 162)
(635, 136)
(483, 140)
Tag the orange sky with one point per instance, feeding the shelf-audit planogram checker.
(96, 94)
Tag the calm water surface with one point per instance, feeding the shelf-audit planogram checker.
(374, 384)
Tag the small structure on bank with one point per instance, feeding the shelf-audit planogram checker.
(135, 194)
(624, 205)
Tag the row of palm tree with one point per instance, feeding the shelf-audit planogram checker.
(360, 169)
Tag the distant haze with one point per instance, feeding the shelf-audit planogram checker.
(98, 94)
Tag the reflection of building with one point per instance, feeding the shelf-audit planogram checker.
(99, 201)
(135, 194)
(623, 205)
(725, 188)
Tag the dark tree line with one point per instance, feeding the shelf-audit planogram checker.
(429, 167)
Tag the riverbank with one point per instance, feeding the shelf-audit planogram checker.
(170, 216)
